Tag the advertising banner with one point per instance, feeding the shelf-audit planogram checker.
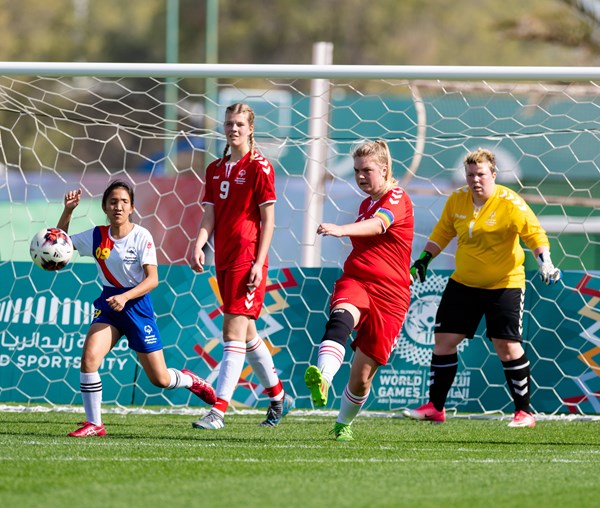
(44, 317)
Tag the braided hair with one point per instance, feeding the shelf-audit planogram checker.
(236, 109)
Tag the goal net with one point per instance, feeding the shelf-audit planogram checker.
(66, 126)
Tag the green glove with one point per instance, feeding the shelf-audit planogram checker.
(418, 271)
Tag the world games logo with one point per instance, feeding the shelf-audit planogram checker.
(416, 339)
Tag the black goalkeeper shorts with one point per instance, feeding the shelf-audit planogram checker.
(462, 308)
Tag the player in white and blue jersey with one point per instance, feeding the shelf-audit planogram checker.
(127, 266)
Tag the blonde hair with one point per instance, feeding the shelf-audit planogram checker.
(380, 151)
(481, 155)
(236, 109)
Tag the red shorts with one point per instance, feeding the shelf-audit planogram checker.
(380, 318)
(237, 298)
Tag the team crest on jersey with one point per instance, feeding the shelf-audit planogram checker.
(130, 257)
(241, 177)
(491, 220)
(416, 339)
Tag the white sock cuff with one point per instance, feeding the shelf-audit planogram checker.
(178, 379)
(333, 348)
(355, 399)
(254, 344)
(330, 359)
(89, 377)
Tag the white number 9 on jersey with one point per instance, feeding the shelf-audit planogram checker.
(224, 187)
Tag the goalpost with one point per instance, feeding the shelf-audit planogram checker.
(64, 126)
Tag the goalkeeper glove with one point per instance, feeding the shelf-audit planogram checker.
(418, 271)
(548, 272)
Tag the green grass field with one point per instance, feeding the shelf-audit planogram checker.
(160, 460)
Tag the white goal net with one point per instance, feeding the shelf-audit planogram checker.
(64, 126)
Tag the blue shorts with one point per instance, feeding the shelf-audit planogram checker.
(136, 321)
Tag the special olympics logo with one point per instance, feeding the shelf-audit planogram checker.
(416, 339)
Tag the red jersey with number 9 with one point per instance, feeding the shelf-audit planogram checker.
(237, 192)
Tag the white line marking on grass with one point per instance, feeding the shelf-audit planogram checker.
(296, 413)
(293, 461)
(199, 445)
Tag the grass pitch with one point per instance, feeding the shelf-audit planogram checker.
(160, 460)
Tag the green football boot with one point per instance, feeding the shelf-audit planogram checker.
(317, 386)
(342, 432)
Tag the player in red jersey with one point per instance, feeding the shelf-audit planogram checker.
(373, 294)
(239, 208)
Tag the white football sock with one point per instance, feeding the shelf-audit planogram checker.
(350, 406)
(232, 364)
(331, 357)
(91, 393)
(178, 379)
(260, 359)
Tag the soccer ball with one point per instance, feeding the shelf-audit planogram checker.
(51, 249)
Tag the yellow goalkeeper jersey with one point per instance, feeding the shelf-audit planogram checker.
(489, 254)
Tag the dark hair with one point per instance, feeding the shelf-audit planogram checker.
(115, 185)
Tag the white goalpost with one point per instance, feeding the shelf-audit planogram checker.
(67, 125)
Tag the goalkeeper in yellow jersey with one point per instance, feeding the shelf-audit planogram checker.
(489, 280)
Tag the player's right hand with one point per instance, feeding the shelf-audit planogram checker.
(329, 230)
(418, 271)
(72, 199)
(197, 260)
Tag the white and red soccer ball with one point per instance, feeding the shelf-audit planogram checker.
(51, 249)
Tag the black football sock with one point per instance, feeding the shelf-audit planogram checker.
(441, 376)
(518, 377)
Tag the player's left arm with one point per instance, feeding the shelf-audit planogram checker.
(549, 273)
(117, 302)
(534, 236)
(267, 226)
